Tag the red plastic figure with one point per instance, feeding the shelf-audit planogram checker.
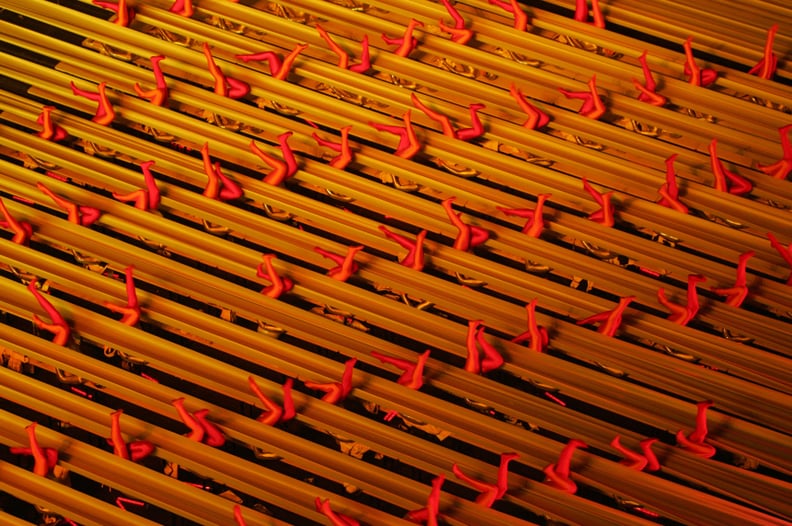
(682, 314)
(466, 134)
(130, 314)
(631, 459)
(59, 328)
(490, 492)
(218, 186)
(605, 215)
(459, 33)
(694, 442)
(407, 42)
(224, 86)
(766, 67)
(582, 13)
(148, 199)
(648, 93)
(780, 169)
(408, 141)
(726, 181)
(469, 236)
(698, 77)
(335, 391)
(279, 284)
(343, 57)
(786, 252)
(537, 335)
(135, 451)
(278, 69)
(159, 94)
(281, 170)
(273, 414)
(22, 229)
(535, 221)
(105, 112)
(669, 191)
(51, 131)
(736, 295)
(336, 519)
(609, 320)
(415, 255)
(592, 107)
(44, 458)
(346, 264)
(124, 14)
(344, 156)
(413, 371)
(183, 8)
(558, 473)
(431, 512)
(201, 429)
(520, 18)
(492, 358)
(77, 214)
(536, 117)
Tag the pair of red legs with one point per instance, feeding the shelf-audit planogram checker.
(490, 493)
(44, 458)
(279, 285)
(346, 265)
(59, 328)
(148, 199)
(466, 134)
(609, 320)
(415, 253)
(558, 473)
(273, 414)
(281, 170)
(468, 236)
(682, 314)
(648, 93)
(201, 429)
(459, 33)
(536, 335)
(698, 77)
(637, 461)
(694, 442)
(781, 168)
(726, 181)
(343, 57)
(407, 42)
(159, 94)
(336, 519)
(344, 156)
(429, 514)
(223, 85)
(130, 313)
(218, 186)
(51, 131)
(336, 391)
(582, 13)
(279, 69)
(134, 451)
(520, 18)
(77, 214)
(475, 338)
(536, 117)
(785, 252)
(736, 294)
(413, 371)
(605, 215)
(124, 14)
(669, 191)
(535, 220)
(105, 112)
(592, 107)
(22, 229)
(766, 67)
(408, 142)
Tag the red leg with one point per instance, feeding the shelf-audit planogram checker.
(286, 67)
(183, 8)
(22, 230)
(365, 57)
(488, 492)
(58, 327)
(631, 459)
(152, 190)
(477, 128)
(343, 56)
(197, 431)
(444, 121)
(503, 472)
(492, 358)
(119, 445)
(213, 436)
(472, 364)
